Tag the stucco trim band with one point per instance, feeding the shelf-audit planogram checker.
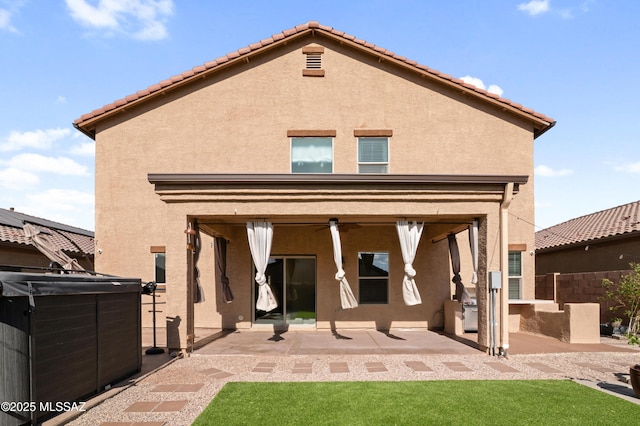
(328, 179)
(311, 133)
(372, 133)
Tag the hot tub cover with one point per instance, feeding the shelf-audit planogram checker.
(16, 284)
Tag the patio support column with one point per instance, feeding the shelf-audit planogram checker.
(190, 293)
(504, 266)
(178, 294)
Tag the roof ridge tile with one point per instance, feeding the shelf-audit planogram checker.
(594, 226)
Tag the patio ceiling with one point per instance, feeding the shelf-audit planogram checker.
(436, 227)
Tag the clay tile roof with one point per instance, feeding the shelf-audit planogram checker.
(211, 66)
(624, 219)
(70, 239)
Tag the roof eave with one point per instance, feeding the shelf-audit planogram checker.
(599, 240)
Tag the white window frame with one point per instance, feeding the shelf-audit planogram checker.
(291, 141)
(514, 276)
(374, 163)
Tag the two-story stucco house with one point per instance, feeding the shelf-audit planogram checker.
(226, 178)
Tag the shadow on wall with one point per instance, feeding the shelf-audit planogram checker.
(173, 333)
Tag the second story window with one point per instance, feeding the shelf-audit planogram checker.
(373, 155)
(311, 155)
(160, 267)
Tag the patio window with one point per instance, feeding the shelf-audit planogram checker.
(515, 275)
(373, 278)
(160, 262)
(373, 155)
(312, 155)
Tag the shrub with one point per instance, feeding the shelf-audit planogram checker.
(626, 295)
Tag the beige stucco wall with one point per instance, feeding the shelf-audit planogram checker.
(237, 122)
(576, 323)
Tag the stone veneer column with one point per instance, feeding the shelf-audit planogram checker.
(482, 297)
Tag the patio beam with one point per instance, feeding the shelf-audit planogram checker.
(329, 179)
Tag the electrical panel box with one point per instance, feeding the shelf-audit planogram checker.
(495, 279)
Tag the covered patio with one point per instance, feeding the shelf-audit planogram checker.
(334, 227)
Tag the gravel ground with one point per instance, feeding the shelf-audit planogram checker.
(213, 371)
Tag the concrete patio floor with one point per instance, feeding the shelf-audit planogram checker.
(372, 342)
(348, 342)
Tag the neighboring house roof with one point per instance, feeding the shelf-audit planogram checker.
(72, 240)
(617, 221)
(86, 123)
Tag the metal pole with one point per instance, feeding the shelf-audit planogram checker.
(154, 350)
(491, 314)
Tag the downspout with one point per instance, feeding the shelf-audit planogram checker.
(504, 267)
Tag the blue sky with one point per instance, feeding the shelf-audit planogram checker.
(573, 60)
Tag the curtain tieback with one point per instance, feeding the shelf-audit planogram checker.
(340, 274)
(261, 279)
(409, 271)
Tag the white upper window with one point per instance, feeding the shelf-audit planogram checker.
(373, 155)
(312, 155)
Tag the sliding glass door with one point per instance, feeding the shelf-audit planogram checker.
(293, 282)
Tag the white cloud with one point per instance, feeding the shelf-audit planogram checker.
(538, 7)
(630, 168)
(16, 179)
(493, 88)
(61, 100)
(473, 80)
(547, 171)
(67, 206)
(566, 13)
(5, 21)
(62, 199)
(535, 7)
(585, 7)
(140, 19)
(87, 149)
(7, 12)
(41, 163)
(40, 139)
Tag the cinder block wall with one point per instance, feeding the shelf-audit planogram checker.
(583, 287)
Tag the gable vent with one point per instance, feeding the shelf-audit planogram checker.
(314, 61)
(313, 64)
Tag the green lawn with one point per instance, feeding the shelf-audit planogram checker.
(494, 402)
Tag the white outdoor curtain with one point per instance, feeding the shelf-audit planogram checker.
(46, 247)
(347, 300)
(473, 243)
(260, 235)
(409, 235)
